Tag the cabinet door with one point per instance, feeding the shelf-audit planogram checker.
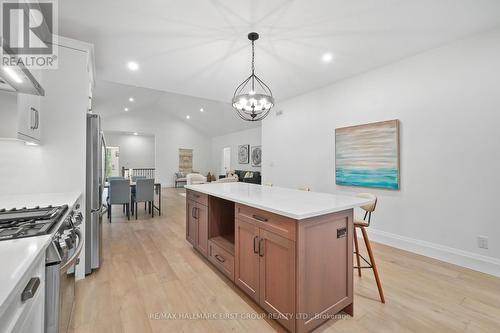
(201, 213)
(190, 221)
(246, 273)
(277, 277)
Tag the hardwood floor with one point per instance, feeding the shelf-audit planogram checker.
(151, 274)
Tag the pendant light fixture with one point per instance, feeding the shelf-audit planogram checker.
(252, 98)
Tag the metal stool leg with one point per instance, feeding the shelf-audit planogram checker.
(374, 266)
(356, 248)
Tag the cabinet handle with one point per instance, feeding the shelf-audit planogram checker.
(196, 212)
(196, 195)
(260, 218)
(37, 118)
(192, 212)
(30, 289)
(220, 258)
(32, 118)
(261, 247)
(255, 246)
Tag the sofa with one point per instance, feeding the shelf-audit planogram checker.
(253, 177)
(227, 179)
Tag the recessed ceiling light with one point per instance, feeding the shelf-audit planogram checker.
(30, 143)
(327, 57)
(131, 99)
(187, 117)
(133, 66)
(135, 133)
(126, 109)
(201, 110)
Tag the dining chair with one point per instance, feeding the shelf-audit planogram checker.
(144, 192)
(119, 194)
(362, 224)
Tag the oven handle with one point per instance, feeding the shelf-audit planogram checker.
(74, 258)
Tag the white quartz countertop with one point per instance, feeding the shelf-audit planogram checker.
(292, 203)
(38, 199)
(16, 258)
(17, 255)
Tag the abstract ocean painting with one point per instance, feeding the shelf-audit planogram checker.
(368, 155)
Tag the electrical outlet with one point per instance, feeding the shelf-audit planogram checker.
(482, 242)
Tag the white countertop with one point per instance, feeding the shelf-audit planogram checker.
(38, 199)
(16, 258)
(292, 203)
(17, 255)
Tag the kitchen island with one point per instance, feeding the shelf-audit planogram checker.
(288, 250)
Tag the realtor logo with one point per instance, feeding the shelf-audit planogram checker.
(28, 33)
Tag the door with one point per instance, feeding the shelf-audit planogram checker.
(246, 274)
(190, 222)
(201, 215)
(277, 277)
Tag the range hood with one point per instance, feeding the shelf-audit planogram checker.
(19, 79)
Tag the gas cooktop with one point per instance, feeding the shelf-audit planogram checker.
(28, 222)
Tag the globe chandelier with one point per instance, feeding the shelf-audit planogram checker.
(253, 98)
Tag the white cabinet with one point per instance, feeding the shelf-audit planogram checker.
(21, 115)
(28, 315)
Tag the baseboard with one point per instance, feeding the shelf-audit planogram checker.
(477, 262)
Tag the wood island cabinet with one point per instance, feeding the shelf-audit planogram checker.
(247, 259)
(299, 271)
(197, 225)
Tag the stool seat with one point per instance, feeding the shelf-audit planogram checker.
(360, 223)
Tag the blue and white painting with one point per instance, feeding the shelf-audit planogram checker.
(368, 155)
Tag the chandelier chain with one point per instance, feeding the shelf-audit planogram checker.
(253, 65)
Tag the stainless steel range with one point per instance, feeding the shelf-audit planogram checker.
(61, 256)
(29, 222)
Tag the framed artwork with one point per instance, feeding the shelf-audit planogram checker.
(256, 156)
(368, 155)
(185, 160)
(243, 154)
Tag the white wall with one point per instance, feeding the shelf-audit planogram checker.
(136, 151)
(170, 135)
(233, 140)
(448, 102)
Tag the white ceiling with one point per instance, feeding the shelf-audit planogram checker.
(217, 118)
(200, 48)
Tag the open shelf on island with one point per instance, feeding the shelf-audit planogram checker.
(221, 223)
(226, 242)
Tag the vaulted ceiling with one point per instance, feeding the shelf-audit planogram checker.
(200, 47)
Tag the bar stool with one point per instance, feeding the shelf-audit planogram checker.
(362, 225)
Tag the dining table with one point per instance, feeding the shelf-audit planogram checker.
(157, 187)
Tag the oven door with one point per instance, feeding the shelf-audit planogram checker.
(61, 291)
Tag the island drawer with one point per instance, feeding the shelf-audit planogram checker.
(198, 197)
(222, 259)
(281, 225)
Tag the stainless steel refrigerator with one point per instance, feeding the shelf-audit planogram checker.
(95, 209)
